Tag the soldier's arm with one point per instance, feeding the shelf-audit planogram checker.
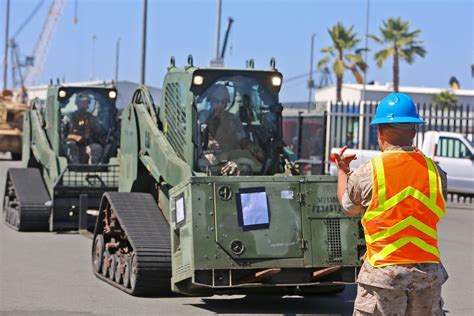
(343, 165)
(70, 131)
(348, 206)
(358, 193)
(98, 131)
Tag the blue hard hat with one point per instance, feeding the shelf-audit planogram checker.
(397, 108)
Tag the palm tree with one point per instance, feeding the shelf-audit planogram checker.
(344, 55)
(402, 45)
(445, 100)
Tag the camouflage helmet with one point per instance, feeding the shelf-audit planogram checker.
(82, 97)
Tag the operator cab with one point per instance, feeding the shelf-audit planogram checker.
(238, 120)
(89, 124)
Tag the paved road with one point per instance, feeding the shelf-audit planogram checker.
(50, 274)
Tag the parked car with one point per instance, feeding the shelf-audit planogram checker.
(452, 151)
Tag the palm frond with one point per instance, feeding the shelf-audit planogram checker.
(323, 62)
(357, 75)
(383, 55)
(396, 33)
(418, 50)
(359, 51)
(376, 39)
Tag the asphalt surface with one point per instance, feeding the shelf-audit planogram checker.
(50, 274)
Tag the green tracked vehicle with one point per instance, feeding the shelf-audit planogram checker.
(180, 223)
(51, 192)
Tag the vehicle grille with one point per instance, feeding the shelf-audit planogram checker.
(175, 118)
(334, 240)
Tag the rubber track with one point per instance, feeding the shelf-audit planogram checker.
(149, 234)
(32, 195)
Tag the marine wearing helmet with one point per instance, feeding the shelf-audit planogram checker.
(224, 133)
(85, 136)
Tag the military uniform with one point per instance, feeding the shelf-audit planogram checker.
(89, 149)
(404, 289)
(224, 128)
(225, 134)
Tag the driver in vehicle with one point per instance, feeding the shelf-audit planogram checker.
(224, 133)
(85, 136)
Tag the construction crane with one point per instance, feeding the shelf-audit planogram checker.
(219, 62)
(226, 38)
(42, 45)
(34, 63)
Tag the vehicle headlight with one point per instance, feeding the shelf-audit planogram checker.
(62, 93)
(276, 81)
(198, 80)
(112, 94)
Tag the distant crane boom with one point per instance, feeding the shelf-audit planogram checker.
(226, 38)
(30, 17)
(42, 45)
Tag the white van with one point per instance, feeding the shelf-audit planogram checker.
(452, 151)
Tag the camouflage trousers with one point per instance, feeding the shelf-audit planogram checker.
(377, 301)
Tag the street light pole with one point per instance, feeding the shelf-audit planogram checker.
(117, 51)
(311, 82)
(364, 98)
(5, 57)
(218, 33)
(366, 48)
(92, 75)
(142, 75)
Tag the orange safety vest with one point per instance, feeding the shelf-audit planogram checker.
(407, 203)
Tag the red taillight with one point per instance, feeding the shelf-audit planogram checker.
(332, 158)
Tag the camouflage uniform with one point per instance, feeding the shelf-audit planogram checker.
(226, 134)
(410, 289)
(224, 128)
(89, 148)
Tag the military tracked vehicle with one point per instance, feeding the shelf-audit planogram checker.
(55, 190)
(11, 119)
(180, 222)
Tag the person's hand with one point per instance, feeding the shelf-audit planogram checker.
(213, 145)
(230, 169)
(343, 161)
(76, 138)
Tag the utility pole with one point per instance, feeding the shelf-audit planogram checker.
(364, 98)
(366, 48)
(311, 81)
(117, 51)
(5, 57)
(92, 74)
(142, 75)
(218, 33)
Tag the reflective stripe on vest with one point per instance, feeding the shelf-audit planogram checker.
(400, 223)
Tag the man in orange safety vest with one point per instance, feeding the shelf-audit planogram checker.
(401, 195)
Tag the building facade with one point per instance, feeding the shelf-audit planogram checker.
(376, 92)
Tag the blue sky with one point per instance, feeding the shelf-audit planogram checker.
(262, 29)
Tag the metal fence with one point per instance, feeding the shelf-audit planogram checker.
(313, 135)
(306, 136)
(350, 123)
